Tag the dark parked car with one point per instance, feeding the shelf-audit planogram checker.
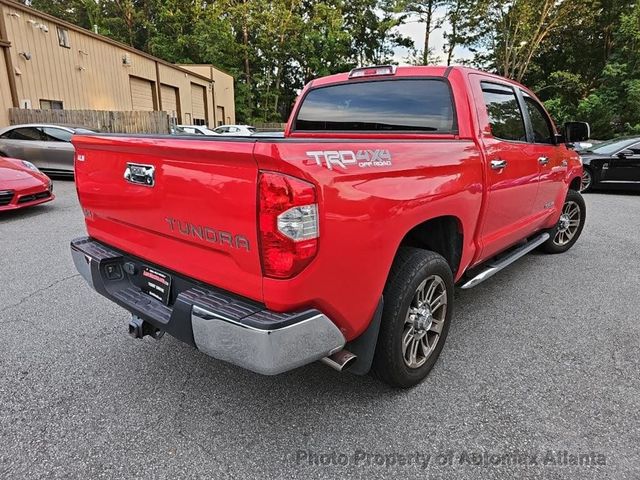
(48, 147)
(612, 164)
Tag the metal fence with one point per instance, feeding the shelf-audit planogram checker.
(99, 120)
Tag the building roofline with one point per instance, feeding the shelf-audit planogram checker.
(205, 65)
(84, 31)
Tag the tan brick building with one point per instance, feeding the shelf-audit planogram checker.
(48, 63)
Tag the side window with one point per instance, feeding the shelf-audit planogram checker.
(542, 129)
(57, 135)
(504, 112)
(33, 134)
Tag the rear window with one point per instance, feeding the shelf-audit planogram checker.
(386, 105)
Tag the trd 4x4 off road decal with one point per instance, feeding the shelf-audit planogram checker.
(344, 158)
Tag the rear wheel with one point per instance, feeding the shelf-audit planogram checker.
(418, 305)
(569, 226)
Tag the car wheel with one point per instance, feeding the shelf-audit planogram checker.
(587, 180)
(418, 305)
(569, 226)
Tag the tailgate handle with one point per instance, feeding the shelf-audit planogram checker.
(140, 174)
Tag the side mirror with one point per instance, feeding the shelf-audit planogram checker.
(627, 152)
(576, 132)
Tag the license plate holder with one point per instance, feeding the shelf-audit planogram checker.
(156, 284)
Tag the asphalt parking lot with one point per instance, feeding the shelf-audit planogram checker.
(541, 360)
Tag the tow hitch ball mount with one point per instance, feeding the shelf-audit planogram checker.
(138, 328)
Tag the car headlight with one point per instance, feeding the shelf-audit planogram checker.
(30, 166)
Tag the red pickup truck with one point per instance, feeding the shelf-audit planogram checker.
(341, 241)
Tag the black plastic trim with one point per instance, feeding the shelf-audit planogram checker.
(365, 345)
(175, 318)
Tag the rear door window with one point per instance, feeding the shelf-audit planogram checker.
(419, 105)
(503, 109)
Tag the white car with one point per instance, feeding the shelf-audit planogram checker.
(235, 130)
(192, 130)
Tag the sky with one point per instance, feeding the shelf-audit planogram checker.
(415, 31)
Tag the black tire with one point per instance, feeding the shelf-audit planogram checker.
(553, 245)
(586, 185)
(411, 267)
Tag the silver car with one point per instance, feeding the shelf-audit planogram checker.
(48, 147)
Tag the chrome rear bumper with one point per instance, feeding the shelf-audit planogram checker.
(227, 327)
(266, 351)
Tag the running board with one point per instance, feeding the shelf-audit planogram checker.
(497, 265)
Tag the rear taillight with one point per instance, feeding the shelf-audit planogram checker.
(288, 222)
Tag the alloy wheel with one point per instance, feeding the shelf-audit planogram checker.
(424, 321)
(568, 224)
(586, 180)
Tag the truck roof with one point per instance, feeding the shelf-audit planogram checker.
(411, 71)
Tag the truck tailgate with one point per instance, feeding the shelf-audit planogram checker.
(186, 204)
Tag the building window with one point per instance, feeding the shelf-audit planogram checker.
(63, 37)
(199, 121)
(51, 105)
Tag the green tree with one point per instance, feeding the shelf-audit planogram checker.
(425, 12)
(509, 35)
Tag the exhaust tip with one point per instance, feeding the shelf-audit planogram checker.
(340, 360)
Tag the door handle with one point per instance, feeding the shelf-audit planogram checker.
(498, 164)
(543, 160)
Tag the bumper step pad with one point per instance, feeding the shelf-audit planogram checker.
(224, 325)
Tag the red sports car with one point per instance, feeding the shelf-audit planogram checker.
(22, 184)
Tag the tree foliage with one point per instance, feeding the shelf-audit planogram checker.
(581, 57)
(271, 47)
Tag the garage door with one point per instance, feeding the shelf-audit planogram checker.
(141, 94)
(170, 103)
(198, 104)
